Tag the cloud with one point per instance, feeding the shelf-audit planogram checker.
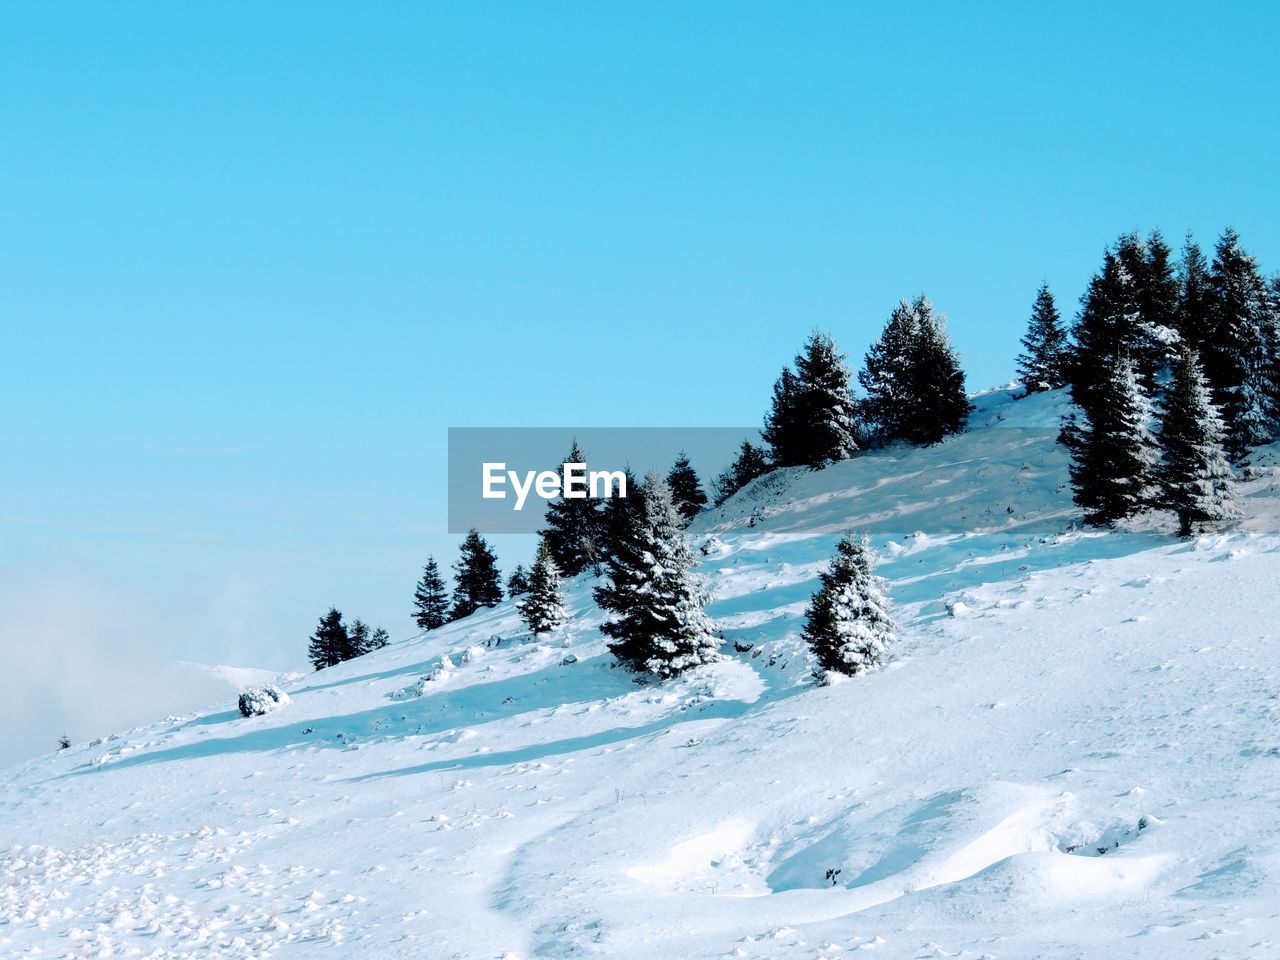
(87, 659)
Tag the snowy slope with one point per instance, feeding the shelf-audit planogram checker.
(1082, 761)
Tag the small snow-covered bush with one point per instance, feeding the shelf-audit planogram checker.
(257, 701)
(713, 546)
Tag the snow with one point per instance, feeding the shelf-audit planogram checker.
(1081, 760)
(259, 701)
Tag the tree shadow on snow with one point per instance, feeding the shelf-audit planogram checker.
(451, 708)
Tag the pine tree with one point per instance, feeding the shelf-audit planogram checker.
(379, 639)
(813, 418)
(518, 582)
(330, 643)
(357, 640)
(1105, 329)
(849, 625)
(1158, 297)
(616, 515)
(750, 463)
(686, 489)
(657, 625)
(1236, 363)
(1043, 363)
(1195, 297)
(1154, 335)
(477, 582)
(1196, 481)
(1114, 453)
(1272, 336)
(886, 373)
(914, 383)
(784, 428)
(939, 405)
(543, 607)
(572, 529)
(431, 598)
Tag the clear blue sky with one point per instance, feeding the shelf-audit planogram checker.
(258, 257)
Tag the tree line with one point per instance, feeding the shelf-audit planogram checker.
(635, 544)
(1174, 374)
(1173, 370)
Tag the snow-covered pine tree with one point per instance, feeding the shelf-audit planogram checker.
(1105, 329)
(813, 421)
(686, 489)
(1043, 362)
(518, 582)
(914, 383)
(1236, 362)
(542, 606)
(1155, 290)
(615, 516)
(849, 624)
(657, 623)
(330, 643)
(751, 462)
(431, 598)
(1272, 333)
(1195, 297)
(886, 374)
(572, 529)
(939, 405)
(477, 582)
(827, 401)
(1114, 453)
(1195, 480)
(1158, 288)
(357, 640)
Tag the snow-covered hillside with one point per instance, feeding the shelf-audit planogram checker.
(1075, 752)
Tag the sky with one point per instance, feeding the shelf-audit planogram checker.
(257, 259)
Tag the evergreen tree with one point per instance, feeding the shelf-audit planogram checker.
(1236, 361)
(572, 531)
(477, 582)
(431, 598)
(812, 421)
(543, 607)
(1154, 340)
(1043, 363)
(1196, 481)
(751, 462)
(686, 489)
(1114, 453)
(1195, 297)
(357, 640)
(914, 383)
(330, 643)
(379, 639)
(1271, 330)
(518, 582)
(886, 373)
(1105, 329)
(849, 625)
(657, 625)
(939, 405)
(784, 428)
(615, 515)
(1159, 292)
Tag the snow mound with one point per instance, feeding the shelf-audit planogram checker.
(259, 701)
